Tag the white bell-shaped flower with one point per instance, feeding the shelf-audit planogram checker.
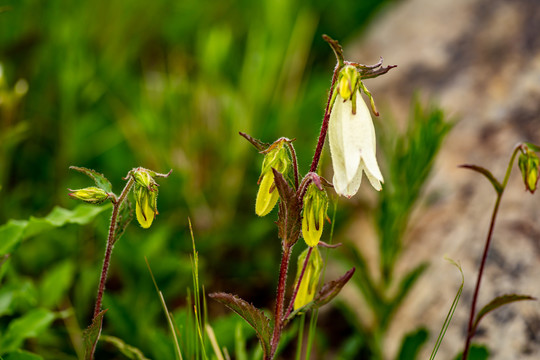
(352, 146)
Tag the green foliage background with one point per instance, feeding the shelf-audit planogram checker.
(160, 84)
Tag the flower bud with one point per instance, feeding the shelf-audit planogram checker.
(92, 195)
(310, 280)
(276, 157)
(146, 192)
(315, 207)
(348, 82)
(528, 165)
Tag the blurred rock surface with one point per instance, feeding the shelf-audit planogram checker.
(480, 61)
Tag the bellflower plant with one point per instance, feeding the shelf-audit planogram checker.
(303, 202)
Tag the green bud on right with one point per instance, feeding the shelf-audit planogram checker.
(315, 208)
(310, 280)
(92, 195)
(278, 158)
(528, 165)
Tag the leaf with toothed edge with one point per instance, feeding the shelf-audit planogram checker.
(101, 181)
(91, 335)
(289, 220)
(497, 303)
(255, 317)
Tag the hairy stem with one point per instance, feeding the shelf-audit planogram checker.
(110, 243)
(326, 119)
(280, 300)
(484, 255)
(291, 303)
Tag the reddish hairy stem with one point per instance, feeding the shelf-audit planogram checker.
(278, 316)
(110, 243)
(291, 304)
(324, 127)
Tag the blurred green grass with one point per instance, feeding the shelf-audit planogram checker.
(162, 84)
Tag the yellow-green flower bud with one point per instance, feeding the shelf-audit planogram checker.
(315, 207)
(146, 205)
(528, 165)
(348, 81)
(310, 280)
(146, 192)
(276, 157)
(92, 195)
(144, 177)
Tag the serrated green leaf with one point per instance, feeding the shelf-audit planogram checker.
(56, 283)
(101, 181)
(497, 303)
(129, 351)
(29, 325)
(411, 344)
(496, 184)
(91, 335)
(289, 220)
(22, 355)
(15, 231)
(255, 317)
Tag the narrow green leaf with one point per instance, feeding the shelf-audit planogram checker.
(91, 335)
(497, 303)
(496, 184)
(255, 317)
(129, 351)
(29, 325)
(22, 355)
(15, 231)
(450, 314)
(407, 283)
(101, 181)
(411, 344)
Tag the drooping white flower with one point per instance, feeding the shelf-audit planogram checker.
(352, 146)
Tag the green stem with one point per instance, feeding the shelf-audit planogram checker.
(484, 255)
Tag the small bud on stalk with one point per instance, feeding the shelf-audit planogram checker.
(277, 157)
(146, 192)
(528, 165)
(315, 207)
(92, 195)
